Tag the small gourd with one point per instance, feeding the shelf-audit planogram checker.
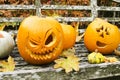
(6, 44)
(96, 58)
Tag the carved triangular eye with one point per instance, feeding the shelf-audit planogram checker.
(49, 39)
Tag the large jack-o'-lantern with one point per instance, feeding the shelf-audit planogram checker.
(40, 40)
(101, 35)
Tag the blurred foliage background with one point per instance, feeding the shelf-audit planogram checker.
(62, 13)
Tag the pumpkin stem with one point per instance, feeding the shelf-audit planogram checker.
(96, 50)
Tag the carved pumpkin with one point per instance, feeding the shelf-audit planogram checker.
(101, 35)
(6, 44)
(40, 40)
(69, 36)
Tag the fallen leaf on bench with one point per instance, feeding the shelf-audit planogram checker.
(8, 65)
(111, 59)
(69, 63)
(78, 38)
(68, 52)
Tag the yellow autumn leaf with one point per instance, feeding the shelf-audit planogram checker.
(8, 65)
(2, 27)
(69, 63)
(68, 52)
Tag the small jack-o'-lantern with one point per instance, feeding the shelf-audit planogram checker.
(69, 34)
(101, 35)
(6, 44)
(40, 39)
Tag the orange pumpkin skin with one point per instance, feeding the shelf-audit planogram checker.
(69, 36)
(101, 35)
(39, 40)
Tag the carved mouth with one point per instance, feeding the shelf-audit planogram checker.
(44, 55)
(100, 44)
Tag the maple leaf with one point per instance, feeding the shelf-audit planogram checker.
(68, 52)
(69, 63)
(8, 65)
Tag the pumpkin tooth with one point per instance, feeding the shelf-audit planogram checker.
(31, 55)
(35, 57)
(48, 56)
(43, 53)
(41, 57)
(47, 51)
(42, 50)
(40, 53)
(53, 54)
(38, 57)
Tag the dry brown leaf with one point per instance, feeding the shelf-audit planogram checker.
(111, 59)
(78, 38)
(8, 65)
(117, 52)
(76, 28)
